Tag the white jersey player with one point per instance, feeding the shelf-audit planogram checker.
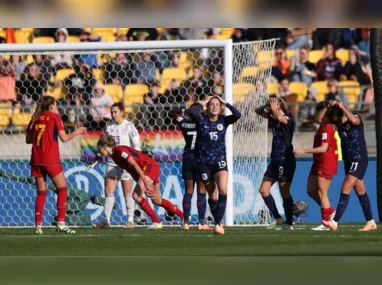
(123, 133)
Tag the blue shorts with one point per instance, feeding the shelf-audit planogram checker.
(208, 171)
(356, 168)
(190, 169)
(281, 170)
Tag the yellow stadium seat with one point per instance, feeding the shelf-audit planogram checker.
(249, 71)
(350, 87)
(273, 88)
(300, 88)
(54, 92)
(62, 74)
(73, 39)
(6, 109)
(29, 30)
(21, 120)
(98, 74)
(290, 53)
(22, 37)
(29, 59)
(2, 33)
(43, 40)
(264, 56)
(108, 37)
(184, 60)
(315, 55)
(321, 88)
(343, 55)
(114, 91)
(123, 31)
(174, 73)
(228, 31)
(241, 91)
(100, 31)
(4, 121)
(134, 93)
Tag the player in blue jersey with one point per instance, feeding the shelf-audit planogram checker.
(211, 152)
(355, 157)
(283, 162)
(190, 172)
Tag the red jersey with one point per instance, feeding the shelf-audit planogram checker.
(45, 139)
(148, 165)
(325, 134)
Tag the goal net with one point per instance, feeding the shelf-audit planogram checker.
(152, 79)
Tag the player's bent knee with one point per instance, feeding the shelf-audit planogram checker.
(264, 192)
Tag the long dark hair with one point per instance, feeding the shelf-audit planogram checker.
(121, 107)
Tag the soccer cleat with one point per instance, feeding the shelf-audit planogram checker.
(370, 226)
(204, 227)
(102, 225)
(156, 226)
(64, 229)
(186, 227)
(38, 231)
(332, 225)
(275, 223)
(284, 227)
(320, 228)
(129, 225)
(219, 230)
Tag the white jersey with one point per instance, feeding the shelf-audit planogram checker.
(123, 134)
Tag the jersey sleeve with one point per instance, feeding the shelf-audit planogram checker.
(134, 137)
(30, 127)
(228, 120)
(179, 119)
(325, 133)
(195, 113)
(59, 125)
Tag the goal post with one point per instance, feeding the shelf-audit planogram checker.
(245, 70)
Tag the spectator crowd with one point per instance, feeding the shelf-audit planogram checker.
(170, 77)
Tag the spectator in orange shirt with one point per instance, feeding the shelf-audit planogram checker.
(7, 80)
(281, 65)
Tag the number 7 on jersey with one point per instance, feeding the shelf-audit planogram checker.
(41, 129)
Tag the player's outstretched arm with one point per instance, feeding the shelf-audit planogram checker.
(321, 149)
(147, 181)
(67, 137)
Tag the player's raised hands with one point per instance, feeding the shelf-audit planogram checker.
(332, 103)
(274, 103)
(341, 105)
(80, 131)
(299, 151)
(221, 100)
(208, 98)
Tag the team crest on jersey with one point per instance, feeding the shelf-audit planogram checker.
(347, 127)
(219, 127)
(204, 176)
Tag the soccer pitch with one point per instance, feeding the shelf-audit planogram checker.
(174, 241)
(244, 255)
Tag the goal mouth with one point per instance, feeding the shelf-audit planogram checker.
(151, 78)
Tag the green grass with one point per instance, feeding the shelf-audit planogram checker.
(173, 256)
(171, 241)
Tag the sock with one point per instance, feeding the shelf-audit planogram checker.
(326, 212)
(365, 204)
(220, 211)
(109, 204)
(342, 204)
(39, 207)
(187, 207)
(202, 207)
(61, 204)
(213, 207)
(271, 204)
(129, 207)
(288, 207)
(148, 210)
(172, 208)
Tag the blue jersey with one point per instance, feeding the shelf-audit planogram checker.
(282, 139)
(353, 142)
(211, 135)
(190, 134)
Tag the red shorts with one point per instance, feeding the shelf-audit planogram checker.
(44, 170)
(152, 170)
(325, 171)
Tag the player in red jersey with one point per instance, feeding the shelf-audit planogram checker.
(145, 171)
(43, 132)
(325, 160)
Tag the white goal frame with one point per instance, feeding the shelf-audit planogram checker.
(105, 46)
